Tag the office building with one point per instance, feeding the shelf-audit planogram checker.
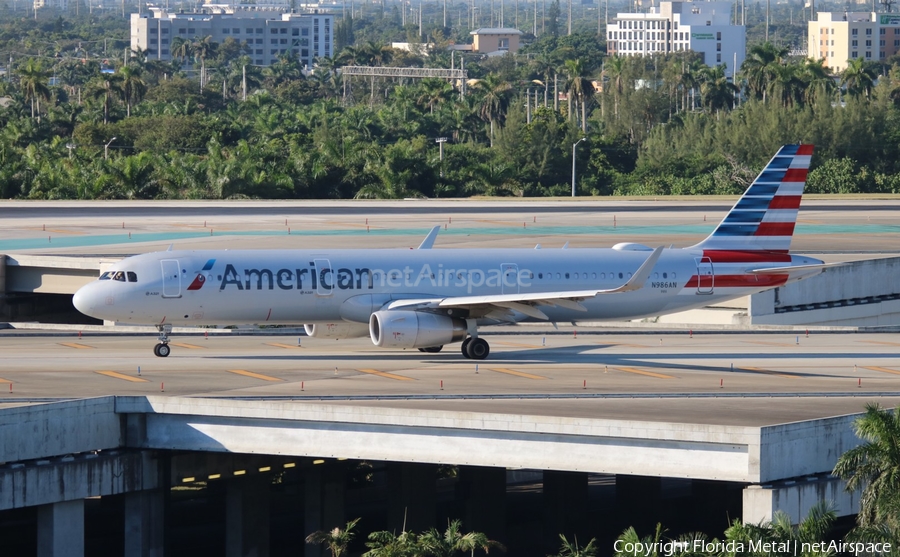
(842, 36)
(703, 27)
(267, 31)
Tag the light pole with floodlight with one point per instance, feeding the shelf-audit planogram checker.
(106, 151)
(440, 141)
(573, 163)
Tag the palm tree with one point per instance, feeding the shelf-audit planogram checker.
(33, 81)
(580, 87)
(718, 93)
(432, 92)
(859, 77)
(495, 99)
(759, 67)
(453, 540)
(202, 49)
(336, 539)
(387, 544)
(108, 88)
(818, 80)
(806, 537)
(630, 538)
(133, 87)
(572, 549)
(874, 466)
(181, 47)
(615, 71)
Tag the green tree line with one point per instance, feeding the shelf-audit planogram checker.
(210, 125)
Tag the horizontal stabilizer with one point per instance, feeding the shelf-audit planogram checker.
(795, 268)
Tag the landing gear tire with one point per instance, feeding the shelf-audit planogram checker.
(477, 349)
(465, 346)
(431, 349)
(162, 350)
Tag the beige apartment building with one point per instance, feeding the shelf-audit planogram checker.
(839, 37)
(490, 40)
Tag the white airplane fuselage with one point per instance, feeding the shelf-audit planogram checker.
(310, 286)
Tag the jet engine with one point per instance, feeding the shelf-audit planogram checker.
(336, 330)
(414, 329)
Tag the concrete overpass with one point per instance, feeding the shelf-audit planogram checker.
(57, 454)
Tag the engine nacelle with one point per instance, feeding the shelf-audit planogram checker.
(414, 329)
(336, 330)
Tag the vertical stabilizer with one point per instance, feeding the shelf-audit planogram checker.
(763, 219)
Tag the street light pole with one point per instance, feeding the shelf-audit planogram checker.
(106, 151)
(440, 141)
(573, 163)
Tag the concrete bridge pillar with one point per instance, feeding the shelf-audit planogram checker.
(565, 507)
(247, 517)
(484, 493)
(144, 524)
(412, 496)
(60, 529)
(324, 489)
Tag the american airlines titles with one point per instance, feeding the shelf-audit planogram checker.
(320, 278)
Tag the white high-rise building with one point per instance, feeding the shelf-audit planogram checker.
(267, 31)
(704, 27)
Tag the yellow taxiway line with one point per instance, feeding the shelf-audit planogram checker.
(647, 373)
(246, 373)
(882, 369)
(385, 374)
(185, 345)
(117, 375)
(74, 345)
(516, 373)
(279, 345)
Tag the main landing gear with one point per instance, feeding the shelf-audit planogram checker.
(475, 348)
(162, 349)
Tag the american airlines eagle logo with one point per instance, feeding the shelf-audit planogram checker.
(200, 280)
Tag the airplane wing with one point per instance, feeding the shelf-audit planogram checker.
(428, 242)
(526, 302)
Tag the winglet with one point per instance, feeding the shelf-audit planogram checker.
(636, 282)
(429, 240)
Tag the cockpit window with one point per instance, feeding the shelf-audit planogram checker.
(107, 275)
(119, 276)
(132, 276)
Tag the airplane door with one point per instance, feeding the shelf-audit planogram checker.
(325, 277)
(171, 275)
(510, 278)
(705, 276)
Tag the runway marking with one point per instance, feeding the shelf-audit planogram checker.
(769, 372)
(353, 224)
(621, 344)
(642, 372)
(59, 231)
(74, 345)
(185, 345)
(279, 345)
(504, 223)
(386, 374)
(882, 369)
(116, 375)
(881, 342)
(506, 343)
(2, 380)
(516, 373)
(769, 343)
(246, 373)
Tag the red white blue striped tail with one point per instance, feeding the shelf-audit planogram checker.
(764, 217)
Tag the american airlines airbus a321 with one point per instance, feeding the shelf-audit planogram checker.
(427, 298)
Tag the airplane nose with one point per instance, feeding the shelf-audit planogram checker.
(86, 299)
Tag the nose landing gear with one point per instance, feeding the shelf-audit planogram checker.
(162, 349)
